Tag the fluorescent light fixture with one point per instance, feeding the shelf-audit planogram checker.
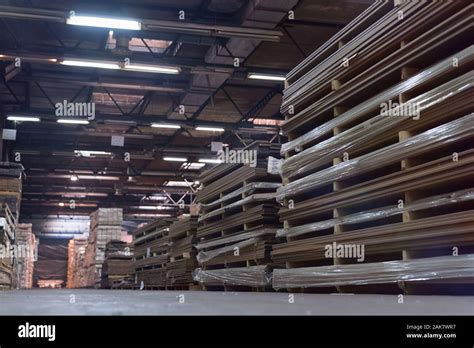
(163, 125)
(209, 160)
(177, 183)
(86, 153)
(192, 166)
(153, 207)
(103, 22)
(72, 121)
(90, 64)
(153, 68)
(267, 77)
(210, 129)
(175, 159)
(98, 177)
(23, 118)
(155, 198)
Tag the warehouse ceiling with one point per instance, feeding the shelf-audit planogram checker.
(202, 39)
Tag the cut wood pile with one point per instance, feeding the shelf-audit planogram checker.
(182, 252)
(238, 221)
(379, 154)
(76, 272)
(106, 225)
(118, 269)
(151, 253)
(10, 198)
(26, 254)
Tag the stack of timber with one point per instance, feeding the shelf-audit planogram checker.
(239, 221)
(118, 270)
(151, 253)
(379, 122)
(26, 254)
(182, 252)
(106, 225)
(75, 267)
(7, 256)
(10, 198)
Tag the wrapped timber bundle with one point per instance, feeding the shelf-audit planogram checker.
(151, 253)
(379, 156)
(51, 266)
(253, 276)
(76, 266)
(118, 270)
(239, 219)
(26, 255)
(182, 252)
(106, 225)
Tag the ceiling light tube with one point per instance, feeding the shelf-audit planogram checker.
(210, 129)
(104, 22)
(87, 153)
(268, 77)
(72, 121)
(175, 159)
(163, 125)
(90, 63)
(159, 69)
(209, 160)
(23, 118)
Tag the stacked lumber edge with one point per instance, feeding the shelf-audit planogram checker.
(105, 225)
(76, 270)
(182, 252)
(238, 221)
(26, 255)
(398, 184)
(10, 197)
(118, 269)
(151, 253)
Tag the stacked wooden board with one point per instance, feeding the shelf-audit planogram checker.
(106, 225)
(151, 253)
(76, 272)
(7, 239)
(118, 269)
(10, 197)
(238, 220)
(26, 255)
(379, 122)
(182, 252)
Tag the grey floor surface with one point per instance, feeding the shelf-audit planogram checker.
(129, 302)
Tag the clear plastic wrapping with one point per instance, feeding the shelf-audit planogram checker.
(245, 276)
(236, 238)
(326, 150)
(258, 197)
(205, 256)
(443, 267)
(429, 140)
(374, 102)
(375, 214)
(248, 189)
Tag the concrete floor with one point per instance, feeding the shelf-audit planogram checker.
(129, 302)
